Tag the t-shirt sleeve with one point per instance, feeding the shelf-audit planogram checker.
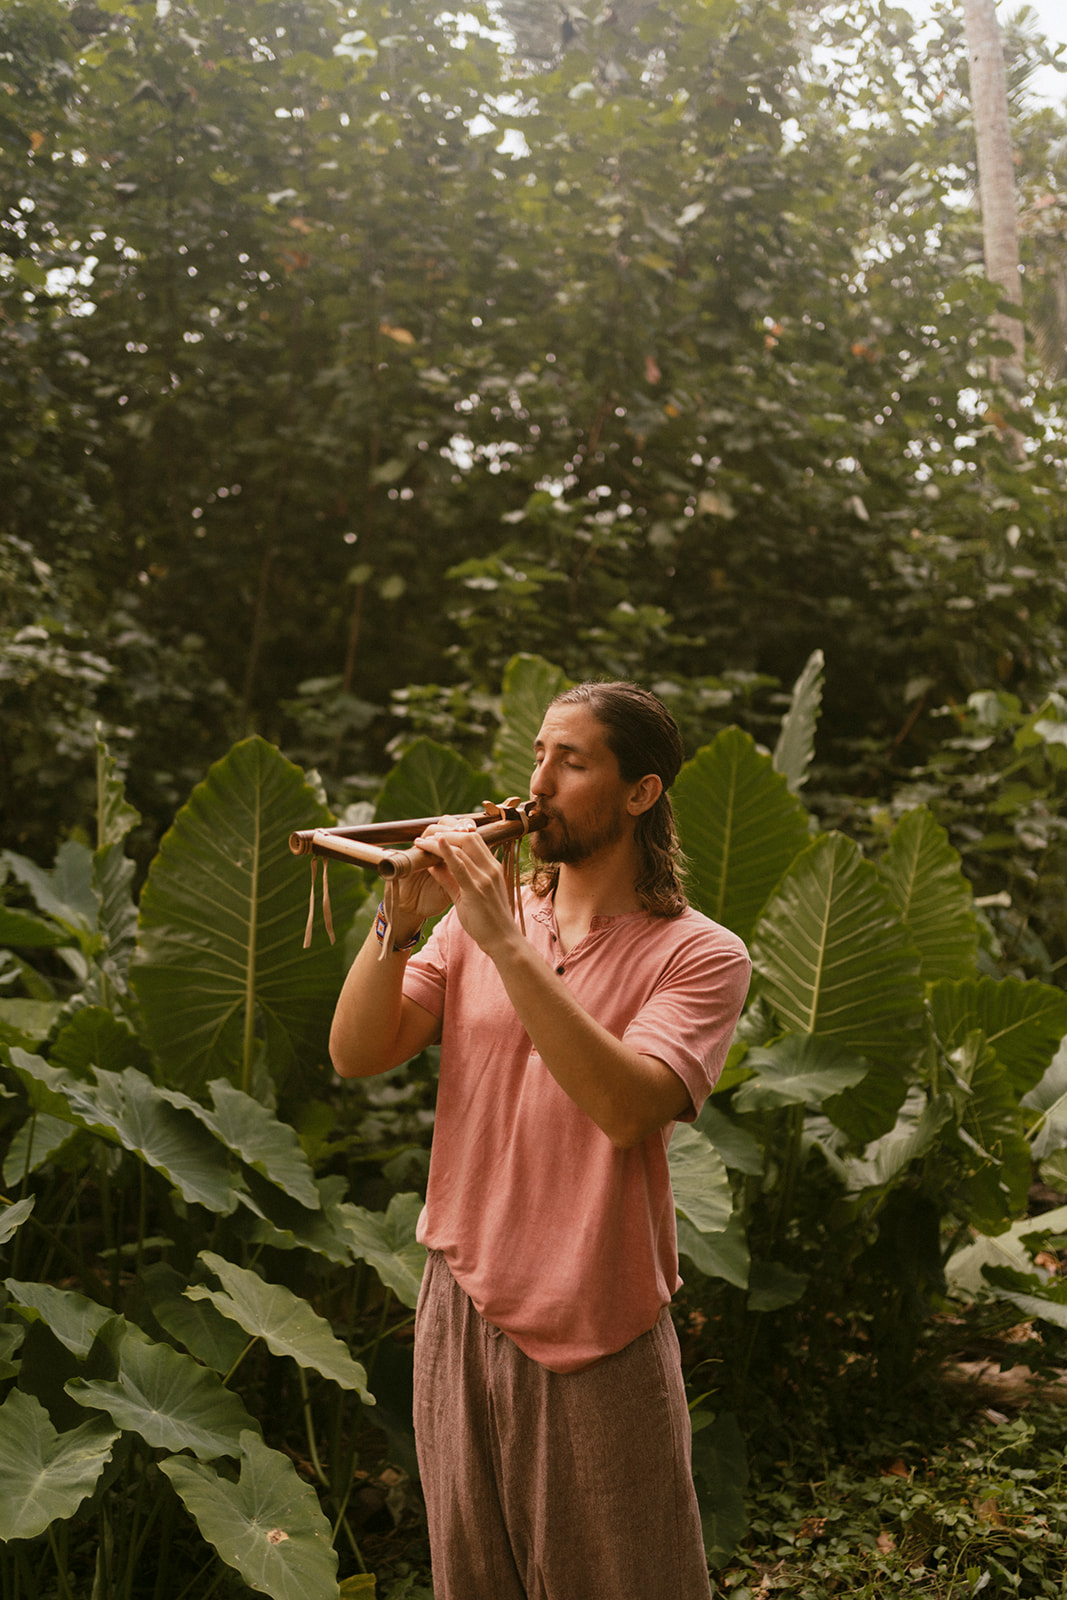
(426, 973)
(688, 1020)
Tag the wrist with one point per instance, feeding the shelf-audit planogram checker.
(405, 934)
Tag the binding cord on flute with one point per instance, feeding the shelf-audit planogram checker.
(367, 846)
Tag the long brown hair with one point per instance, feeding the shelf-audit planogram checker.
(643, 737)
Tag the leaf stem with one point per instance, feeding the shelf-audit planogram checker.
(240, 1358)
(309, 1428)
(61, 1565)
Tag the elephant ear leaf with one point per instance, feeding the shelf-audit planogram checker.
(796, 742)
(923, 874)
(798, 1069)
(430, 780)
(699, 1181)
(268, 1525)
(740, 828)
(219, 970)
(285, 1322)
(168, 1398)
(833, 958)
(387, 1241)
(45, 1475)
(13, 1218)
(833, 955)
(992, 1132)
(1023, 1021)
(529, 684)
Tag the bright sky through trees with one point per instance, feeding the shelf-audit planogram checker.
(1051, 16)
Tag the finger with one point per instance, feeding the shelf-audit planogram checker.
(470, 862)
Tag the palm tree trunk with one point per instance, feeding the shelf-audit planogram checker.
(996, 176)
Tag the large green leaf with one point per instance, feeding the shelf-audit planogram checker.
(66, 892)
(888, 1158)
(113, 871)
(965, 1269)
(198, 1325)
(994, 1147)
(268, 1525)
(74, 1319)
(388, 1243)
(45, 1475)
(699, 1180)
(430, 780)
(168, 1398)
(833, 958)
(737, 1146)
(936, 901)
(283, 1320)
(1049, 1099)
(253, 1132)
(1024, 1022)
(1034, 1296)
(12, 1337)
(799, 1069)
(772, 1286)
(26, 1022)
(38, 1139)
(284, 1224)
(717, 1255)
(130, 1108)
(219, 969)
(796, 742)
(44, 1085)
(13, 1216)
(21, 930)
(529, 684)
(94, 1037)
(739, 826)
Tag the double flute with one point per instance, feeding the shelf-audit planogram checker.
(367, 845)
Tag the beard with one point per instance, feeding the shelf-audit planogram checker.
(569, 846)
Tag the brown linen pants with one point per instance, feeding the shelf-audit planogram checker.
(542, 1485)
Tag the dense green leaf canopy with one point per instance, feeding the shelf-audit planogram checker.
(349, 351)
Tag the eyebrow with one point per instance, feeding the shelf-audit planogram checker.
(575, 749)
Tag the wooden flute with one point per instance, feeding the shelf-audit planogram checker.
(367, 845)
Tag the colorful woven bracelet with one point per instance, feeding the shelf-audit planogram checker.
(381, 923)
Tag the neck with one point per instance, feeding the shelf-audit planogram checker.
(603, 886)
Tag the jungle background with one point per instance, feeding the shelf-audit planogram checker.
(369, 372)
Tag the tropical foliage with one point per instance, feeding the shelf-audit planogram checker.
(195, 1282)
(351, 354)
(350, 349)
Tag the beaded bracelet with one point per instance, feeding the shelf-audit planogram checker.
(381, 925)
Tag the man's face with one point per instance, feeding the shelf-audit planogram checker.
(577, 785)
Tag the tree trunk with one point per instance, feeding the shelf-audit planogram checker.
(996, 175)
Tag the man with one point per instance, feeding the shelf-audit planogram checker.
(550, 1414)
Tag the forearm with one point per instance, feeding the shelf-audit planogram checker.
(373, 1028)
(628, 1095)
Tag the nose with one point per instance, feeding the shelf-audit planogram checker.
(540, 781)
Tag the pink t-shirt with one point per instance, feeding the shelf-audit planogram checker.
(560, 1239)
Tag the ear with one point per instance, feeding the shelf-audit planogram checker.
(644, 795)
